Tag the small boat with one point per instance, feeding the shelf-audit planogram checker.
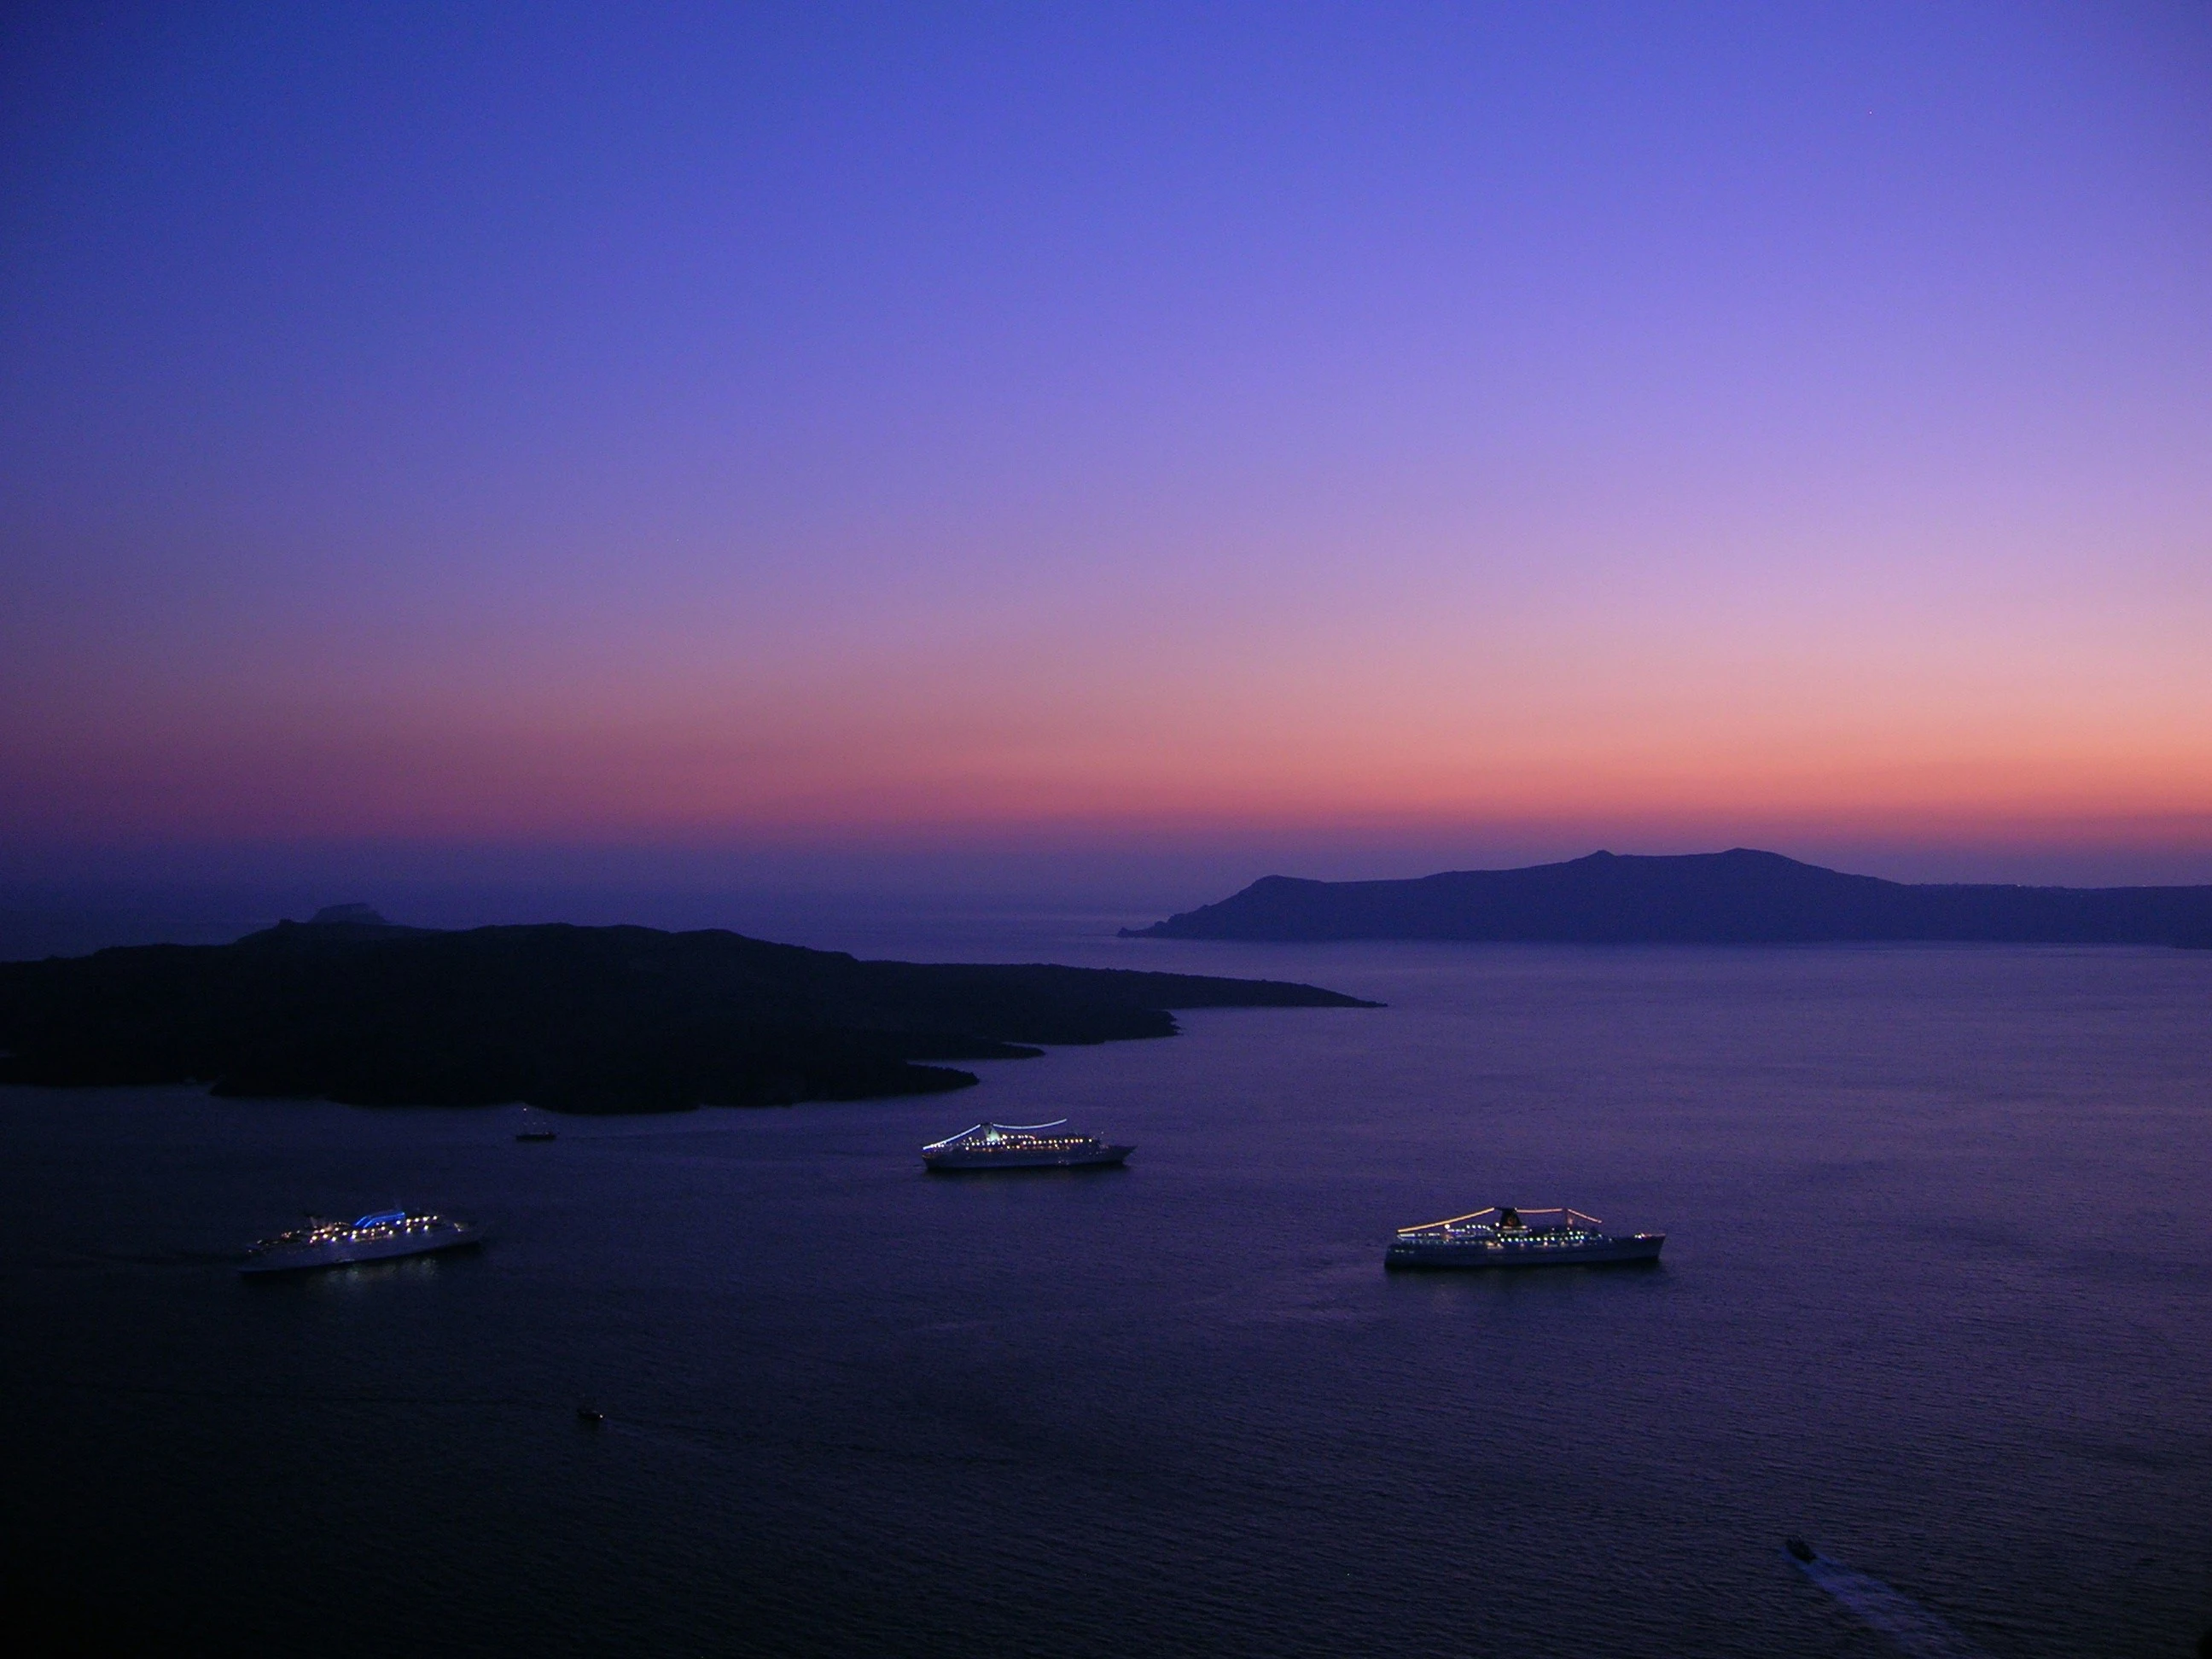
(1020, 1146)
(536, 1135)
(587, 1412)
(377, 1237)
(1798, 1548)
(1470, 1241)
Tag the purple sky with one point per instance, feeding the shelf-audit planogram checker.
(1347, 440)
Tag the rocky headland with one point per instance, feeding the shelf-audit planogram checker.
(351, 1008)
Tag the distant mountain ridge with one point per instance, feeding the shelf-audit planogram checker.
(347, 921)
(1741, 896)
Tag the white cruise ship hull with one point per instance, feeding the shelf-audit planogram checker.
(341, 1253)
(963, 1158)
(1485, 1253)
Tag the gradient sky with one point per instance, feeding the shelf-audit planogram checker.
(1357, 438)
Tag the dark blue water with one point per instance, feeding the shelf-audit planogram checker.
(1937, 1294)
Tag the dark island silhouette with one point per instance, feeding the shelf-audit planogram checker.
(351, 1008)
(1737, 898)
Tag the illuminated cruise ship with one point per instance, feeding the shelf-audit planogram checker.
(1019, 1147)
(372, 1239)
(1511, 1241)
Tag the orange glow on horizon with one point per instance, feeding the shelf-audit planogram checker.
(673, 784)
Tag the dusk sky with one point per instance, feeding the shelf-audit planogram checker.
(1350, 440)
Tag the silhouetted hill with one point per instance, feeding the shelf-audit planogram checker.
(1739, 897)
(350, 921)
(594, 1019)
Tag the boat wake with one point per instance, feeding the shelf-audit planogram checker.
(1910, 1627)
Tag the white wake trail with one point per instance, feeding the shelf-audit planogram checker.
(1911, 1628)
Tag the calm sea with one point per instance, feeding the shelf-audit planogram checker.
(1937, 1294)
